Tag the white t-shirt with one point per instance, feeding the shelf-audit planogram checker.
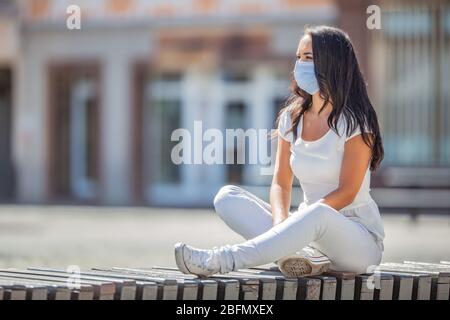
(317, 165)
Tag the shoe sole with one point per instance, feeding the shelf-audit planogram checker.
(179, 258)
(294, 267)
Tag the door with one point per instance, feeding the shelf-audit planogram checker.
(74, 132)
(6, 166)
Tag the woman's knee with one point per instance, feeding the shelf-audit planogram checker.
(224, 197)
(320, 211)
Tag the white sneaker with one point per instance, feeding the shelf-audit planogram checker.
(307, 262)
(202, 263)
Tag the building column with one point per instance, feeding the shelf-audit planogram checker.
(30, 145)
(352, 19)
(115, 121)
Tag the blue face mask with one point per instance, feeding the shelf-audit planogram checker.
(305, 76)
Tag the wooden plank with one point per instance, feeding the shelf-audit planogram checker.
(440, 282)
(287, 288)
(362, 289)
(15, 292)
(422, 278)
(308, 288)
(411, 198)
(207, 288)
(283, 289)
(228, 289)
(37, 293)
(125, 289)
(143, 288)
(146, 288)
(167, 288)
(58, 293)
(403, 285)
(384, 286)
(249, 286)
(437, 267)
(34, 291)
(328, 287)
(422, 287)
(55, 291)
(345, 284)
(58, 289)
(187, 288)
(103, 289)
(86, 291)
(340, 274)
(267, 288)
(345, 289)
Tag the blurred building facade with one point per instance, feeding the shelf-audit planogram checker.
(86, 115)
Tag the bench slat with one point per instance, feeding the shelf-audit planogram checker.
(125, 289)
(362, 289)
(286, 289)
(167, 287)
(249, 284)
(85, 291)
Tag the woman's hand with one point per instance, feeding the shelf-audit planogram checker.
(280, 190)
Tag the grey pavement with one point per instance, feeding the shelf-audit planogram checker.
(60, 236)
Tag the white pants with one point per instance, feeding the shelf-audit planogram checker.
(347, 243)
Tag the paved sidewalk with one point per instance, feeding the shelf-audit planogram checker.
(136, 237)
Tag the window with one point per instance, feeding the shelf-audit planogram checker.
(235, 119)
(414, 109)
(162, 116)
(165, 119)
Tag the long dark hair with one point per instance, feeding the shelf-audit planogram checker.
(341, 84)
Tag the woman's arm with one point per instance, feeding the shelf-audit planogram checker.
(354, 165)
(280, 190)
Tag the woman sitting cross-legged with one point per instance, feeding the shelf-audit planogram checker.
(330, 140)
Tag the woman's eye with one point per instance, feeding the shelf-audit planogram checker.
(306, 58)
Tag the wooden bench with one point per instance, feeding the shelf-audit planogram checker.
(415, 190)
(391, 281)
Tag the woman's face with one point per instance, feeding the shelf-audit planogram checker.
(306, 81)
(304, 50)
